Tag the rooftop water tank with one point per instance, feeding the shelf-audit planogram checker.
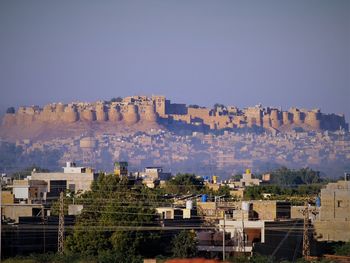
(318, 202)
(245, 206)
(189, 204)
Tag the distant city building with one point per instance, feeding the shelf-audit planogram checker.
(248, 180)
(152, 176)
(5, 180)
(121, 168)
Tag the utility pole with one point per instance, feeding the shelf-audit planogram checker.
(306, 241)
(243, 233)
(61, 225)
(223, 238)
(44, 226)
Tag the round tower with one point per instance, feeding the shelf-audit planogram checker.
(70, 114)
(47, 108)
(87, 115)
(297, 117)
(275, 119)
(266, 121)
(24, 117)
(101, 114)
(45, 115)
(131, 114)
(150, 114)
(60, 107)
(114, 114)
(313, 119)
(286, 117)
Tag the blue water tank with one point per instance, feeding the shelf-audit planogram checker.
(204, 198)
(318, 201)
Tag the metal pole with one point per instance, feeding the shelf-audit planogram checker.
(44, 226)
(243, 237)
(223, 238)
(306, 241)
(61, 225)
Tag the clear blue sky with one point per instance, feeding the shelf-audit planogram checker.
(278, 53)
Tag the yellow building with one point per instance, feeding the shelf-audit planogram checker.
(121, 168)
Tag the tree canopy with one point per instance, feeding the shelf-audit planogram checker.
(184, 184)
(288, 177)
(113, 221)
(343, 250)
(185, 245)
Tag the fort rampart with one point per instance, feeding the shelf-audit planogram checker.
(134, 109)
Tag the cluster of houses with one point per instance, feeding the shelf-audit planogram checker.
(272, 227)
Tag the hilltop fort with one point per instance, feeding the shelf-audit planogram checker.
(140, 112)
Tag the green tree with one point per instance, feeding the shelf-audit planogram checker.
(253, 192)
(343, 250)
(184, 184)
(113, 219)
(185, 245)
(287, 177)
(28, 170)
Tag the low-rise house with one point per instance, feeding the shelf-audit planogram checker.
(333, 223)
(29, 190)
(76, 179)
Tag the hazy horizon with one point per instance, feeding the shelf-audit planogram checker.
(291, 53)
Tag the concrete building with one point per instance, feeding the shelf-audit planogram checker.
(7, 197)
(12, 212)
(29, 190)
(152, 176)
(280, 239)
(5, 180)
(76, 179)
(244, 233)
(333, 223)
(248, 179)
